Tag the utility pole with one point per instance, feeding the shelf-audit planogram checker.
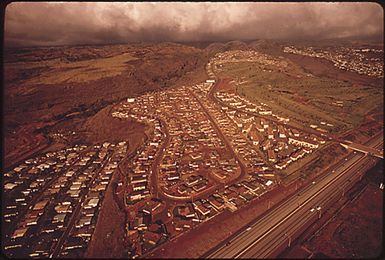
(289, 237)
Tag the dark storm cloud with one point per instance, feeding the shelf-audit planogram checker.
(95, 23)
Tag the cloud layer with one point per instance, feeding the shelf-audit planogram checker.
(36, 23)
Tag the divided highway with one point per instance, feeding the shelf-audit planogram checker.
(275, 230)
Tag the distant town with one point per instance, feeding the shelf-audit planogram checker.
(357, 60)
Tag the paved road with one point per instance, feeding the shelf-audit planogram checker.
(276, 229)
(74, 217)
(364, 149)
(223, 137)
(37, 197)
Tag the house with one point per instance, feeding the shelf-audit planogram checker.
(151, 237)
(139, 186)
(74, 193)
(186, 212)
(247, 128)
(247, 195)
(264, 123)
(216, 202)
(238, 122)
(271, 155)
(89, 212)
(295, 132)
(138, 195)
(20, 232)
(75, 186)
(41, 204)
(99, 187)
(200, 185)
(265, 112)
(254, 137)
(296, 155)
(270, 133)
(59, 218)
(302, 142)
(280, 146)
(182, 189)
(266, 145)
(250, 186)
(138, 178)
(84, 221)
(201, 208)
(173, 176)
(283, 164)
(259, 127)
(62, 208)
(192, 180)
(150, 208)
(282, 132)
(10, 186)
(92, 203)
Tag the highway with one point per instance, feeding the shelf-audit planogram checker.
(275, 230)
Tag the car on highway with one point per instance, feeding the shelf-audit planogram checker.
(247, 229)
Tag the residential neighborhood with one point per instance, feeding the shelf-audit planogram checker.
(366, 61)
(54, 199)
(192, 130)
(207, 151)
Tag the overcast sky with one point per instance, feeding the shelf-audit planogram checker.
(97, 23)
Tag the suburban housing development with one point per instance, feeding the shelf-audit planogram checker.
(193, 130)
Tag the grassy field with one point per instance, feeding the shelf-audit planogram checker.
(303, 98)
(77, 71)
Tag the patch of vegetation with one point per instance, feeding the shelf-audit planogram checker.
(305, 99)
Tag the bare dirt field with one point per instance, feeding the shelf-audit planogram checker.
(108, 238)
